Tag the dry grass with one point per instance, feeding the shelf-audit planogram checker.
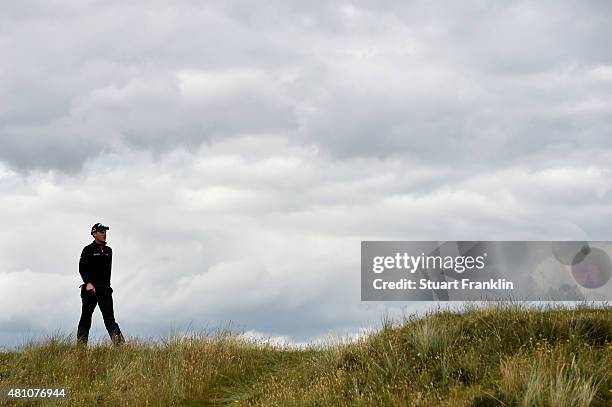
(500, 355)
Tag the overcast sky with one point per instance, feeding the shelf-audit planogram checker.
(241, 151)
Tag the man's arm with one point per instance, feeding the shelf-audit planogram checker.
(84, 271)
(84, 267)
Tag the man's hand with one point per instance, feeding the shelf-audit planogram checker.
(90, 287)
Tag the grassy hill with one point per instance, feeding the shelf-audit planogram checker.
(498, 355)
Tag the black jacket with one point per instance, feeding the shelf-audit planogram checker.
(95, 264)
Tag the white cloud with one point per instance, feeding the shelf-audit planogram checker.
(221, 84)
(602, 72)
(268, 238)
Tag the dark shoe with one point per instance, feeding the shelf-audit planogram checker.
(118, 339)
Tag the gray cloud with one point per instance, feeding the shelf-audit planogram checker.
(241, 153)
(440, 82)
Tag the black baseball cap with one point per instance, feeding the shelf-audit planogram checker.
(98, 227)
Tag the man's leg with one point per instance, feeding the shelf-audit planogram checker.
(106, 306)
(88, 305)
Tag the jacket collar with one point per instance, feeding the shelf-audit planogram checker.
(96, 245)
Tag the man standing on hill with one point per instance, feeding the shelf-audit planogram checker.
(95, 269)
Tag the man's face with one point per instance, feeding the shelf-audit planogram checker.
(100, 236)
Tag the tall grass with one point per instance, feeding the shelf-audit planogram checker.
(497, 355)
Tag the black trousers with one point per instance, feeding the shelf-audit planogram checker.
(104, 298)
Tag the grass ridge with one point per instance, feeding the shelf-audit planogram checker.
(501, 354)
